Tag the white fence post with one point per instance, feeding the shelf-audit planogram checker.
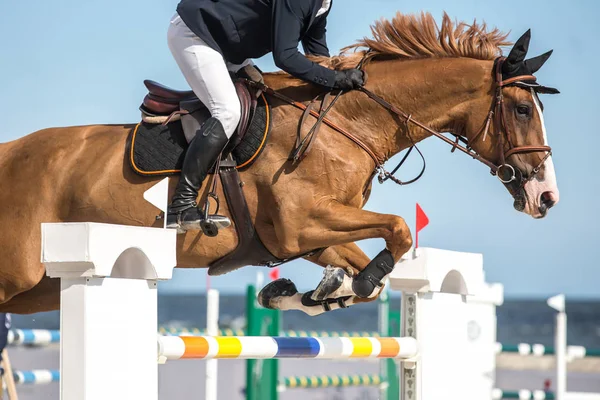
(435, 284)
(560, 345)
(108, 313)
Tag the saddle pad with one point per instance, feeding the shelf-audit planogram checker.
(157, 150)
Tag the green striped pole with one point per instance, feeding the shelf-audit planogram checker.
(292, 382)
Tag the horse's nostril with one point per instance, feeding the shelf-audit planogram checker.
(548, 199)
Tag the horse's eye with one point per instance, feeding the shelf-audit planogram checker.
(523, 110)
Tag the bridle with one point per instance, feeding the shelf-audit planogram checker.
(503, 131)
(505, 172)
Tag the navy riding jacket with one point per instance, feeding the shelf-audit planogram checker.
(242, 29)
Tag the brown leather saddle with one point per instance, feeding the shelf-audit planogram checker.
(164, 101)
(161, 100)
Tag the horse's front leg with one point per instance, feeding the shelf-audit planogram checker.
(350, 276)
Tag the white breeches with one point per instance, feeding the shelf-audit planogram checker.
(207, 74)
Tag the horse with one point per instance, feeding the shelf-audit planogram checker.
(422, 79)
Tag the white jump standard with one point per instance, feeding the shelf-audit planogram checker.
(435, 285)
(109, 277)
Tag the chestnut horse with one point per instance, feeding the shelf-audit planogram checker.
(448, 79)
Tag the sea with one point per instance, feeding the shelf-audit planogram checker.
(519, 320)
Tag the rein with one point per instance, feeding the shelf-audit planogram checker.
(505, 172)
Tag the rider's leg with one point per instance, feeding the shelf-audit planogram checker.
(206, 72)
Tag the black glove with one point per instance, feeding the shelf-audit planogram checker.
(349, 79)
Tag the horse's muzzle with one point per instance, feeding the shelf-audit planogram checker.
(547, 201)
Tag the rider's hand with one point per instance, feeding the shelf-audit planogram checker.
(349, 79)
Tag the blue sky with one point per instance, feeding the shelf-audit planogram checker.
(84, 61)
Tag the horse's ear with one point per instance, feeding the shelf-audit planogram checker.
(534, 64)
(517, 54)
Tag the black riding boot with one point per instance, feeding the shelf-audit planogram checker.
(201, 155)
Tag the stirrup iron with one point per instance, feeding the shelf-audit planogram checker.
(211, 224)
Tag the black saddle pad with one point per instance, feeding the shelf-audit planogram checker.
(157, 150)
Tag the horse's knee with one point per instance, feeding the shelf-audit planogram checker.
(401, 239)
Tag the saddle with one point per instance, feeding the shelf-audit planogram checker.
(157, 146)
(162, 101)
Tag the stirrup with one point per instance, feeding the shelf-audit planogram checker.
(210, 227)
(209, 224)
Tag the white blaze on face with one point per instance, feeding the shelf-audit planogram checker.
(542, 183)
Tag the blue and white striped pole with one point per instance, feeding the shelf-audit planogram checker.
(33, 336)
(36, 376)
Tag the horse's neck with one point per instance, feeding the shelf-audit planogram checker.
(436, 92)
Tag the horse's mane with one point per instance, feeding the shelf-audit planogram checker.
(418, 36)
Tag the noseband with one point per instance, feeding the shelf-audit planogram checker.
(505, 172)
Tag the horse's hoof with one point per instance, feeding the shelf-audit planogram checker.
(280, 288)
(332, 280)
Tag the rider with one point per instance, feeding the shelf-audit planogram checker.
(209, 39)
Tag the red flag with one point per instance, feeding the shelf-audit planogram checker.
(422, 222)
(274, 274)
